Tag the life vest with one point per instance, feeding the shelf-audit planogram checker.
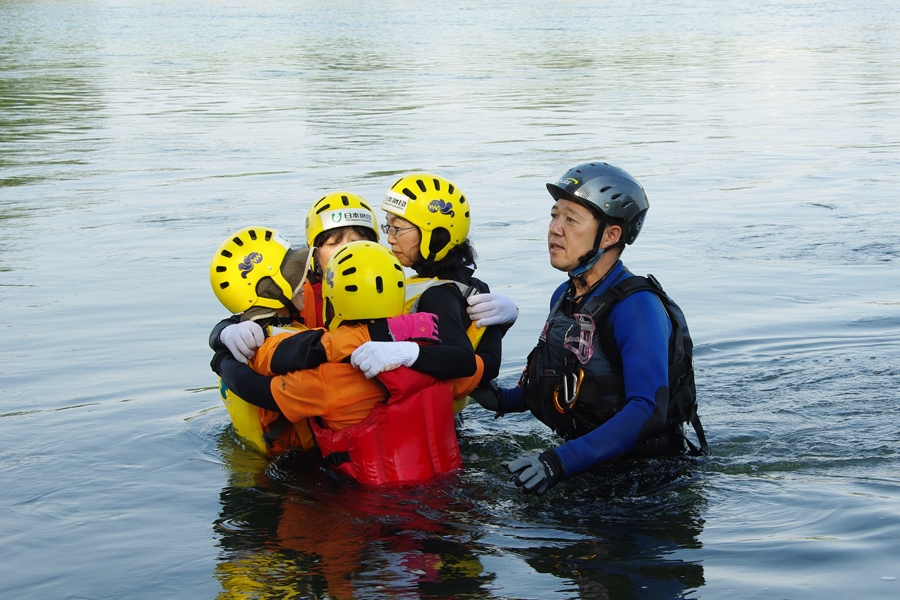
(265, 431)
(574, 398)
(416, 286)
(408, 437)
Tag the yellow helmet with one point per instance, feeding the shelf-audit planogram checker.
(338, 209)
(256, 267)
(363, 280)
(432, 204)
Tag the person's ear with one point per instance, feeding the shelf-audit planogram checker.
(611, 235)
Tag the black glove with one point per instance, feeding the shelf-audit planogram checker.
(489, 397)
(538, 472)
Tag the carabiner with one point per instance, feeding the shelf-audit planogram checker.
(570, 391)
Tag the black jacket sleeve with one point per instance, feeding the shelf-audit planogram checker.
(214, 342)
(489, 349)
(304, 350)
(454, 356)
(244, 381)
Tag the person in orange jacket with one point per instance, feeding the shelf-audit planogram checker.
(396, 428)
(257, 274)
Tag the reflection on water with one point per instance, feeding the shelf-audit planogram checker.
(50, 105)
(289, 530)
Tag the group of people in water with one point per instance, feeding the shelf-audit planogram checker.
(331, 347)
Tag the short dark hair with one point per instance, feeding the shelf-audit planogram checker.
(447, 268)
(331, 234)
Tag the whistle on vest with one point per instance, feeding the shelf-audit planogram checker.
(568, 388)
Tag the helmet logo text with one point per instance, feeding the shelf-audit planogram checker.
(441, 206)
(346, 217)
(395, 203)
(246, 265)
(568, 181)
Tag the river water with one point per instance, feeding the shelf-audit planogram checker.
(135, 136)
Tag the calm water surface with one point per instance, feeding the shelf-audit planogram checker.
(135, 136)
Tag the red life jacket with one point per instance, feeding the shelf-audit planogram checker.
(408, 437)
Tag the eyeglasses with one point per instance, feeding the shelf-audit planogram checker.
(394, 231)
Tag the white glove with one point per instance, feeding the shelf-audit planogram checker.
(373, 358)
(492, 309)
(243, 339)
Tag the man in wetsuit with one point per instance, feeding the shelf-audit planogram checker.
(600, 373)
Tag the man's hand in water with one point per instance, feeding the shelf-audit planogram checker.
(537, 473)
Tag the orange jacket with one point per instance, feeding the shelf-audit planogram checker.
(312, 304)
(292, 435)
(335, 391)
(339, 344)
(296, 434)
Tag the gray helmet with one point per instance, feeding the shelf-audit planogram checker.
(606, 189)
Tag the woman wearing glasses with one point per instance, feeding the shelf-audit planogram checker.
(427, 229)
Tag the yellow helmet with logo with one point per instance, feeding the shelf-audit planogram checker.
(363, 280)
(338, 209)
(436, 207)
(256, 267)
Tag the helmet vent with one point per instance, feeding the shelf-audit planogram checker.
(603, 189)
(252, 234)
(227, 254)
(268, 235)
(238, 241)
(345, 259)
(449, 189)
(409, 193)
(462, 200)
(349, 271)
(223, 285)
(379, 284)
(421, 185)
(398, 267)
(351, 288)
(345, 200)
(323, 208)
(437, 185)
(221, 269)
(615, 196)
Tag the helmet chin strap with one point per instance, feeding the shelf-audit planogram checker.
(291, 308)
(590, 259)
(584, 265)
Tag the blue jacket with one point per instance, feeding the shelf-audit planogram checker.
(642, 329)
